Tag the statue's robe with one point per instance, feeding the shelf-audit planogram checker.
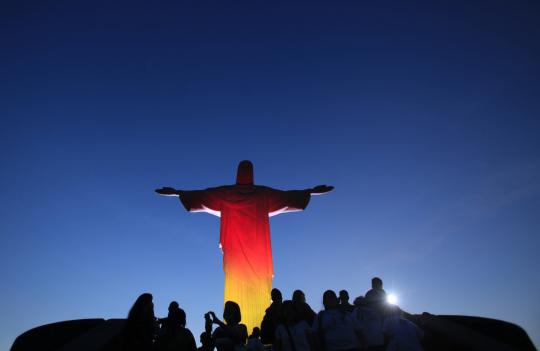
(245, 238)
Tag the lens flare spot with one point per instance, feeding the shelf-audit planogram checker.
(392, 299)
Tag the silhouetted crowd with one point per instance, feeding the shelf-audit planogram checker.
(370, 323)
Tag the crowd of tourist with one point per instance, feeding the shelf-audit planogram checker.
(370, 323)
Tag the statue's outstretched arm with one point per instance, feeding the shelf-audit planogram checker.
(168, 191)
(320, 189)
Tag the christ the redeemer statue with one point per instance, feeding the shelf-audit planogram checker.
(244, 209)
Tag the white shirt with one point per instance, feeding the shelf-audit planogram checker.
(298, 333)
(338, 329)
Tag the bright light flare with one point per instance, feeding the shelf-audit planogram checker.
(392, 299)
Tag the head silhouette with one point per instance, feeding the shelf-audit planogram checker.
(256, 333)
(376, 283)
(288, 313)
(231, 313)
(181, 317)
(177, 318)
(359, 301)
(276, 295)
(244, 175)
(143, 308)
(298, 296)
(205, 339)
(173, 306)
(330, 299)
(343, 296)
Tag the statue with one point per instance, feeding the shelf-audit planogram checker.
(244, 209)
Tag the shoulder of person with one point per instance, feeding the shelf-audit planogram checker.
(187, 332)
(280, 329)
(321, 314)
(321, 317)
(218, 332)
(302, 325)
(242, 328)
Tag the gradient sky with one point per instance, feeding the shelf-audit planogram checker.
(423, 115)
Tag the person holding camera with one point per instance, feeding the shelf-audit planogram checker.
(230, 335)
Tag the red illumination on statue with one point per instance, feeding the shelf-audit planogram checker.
(245, 209)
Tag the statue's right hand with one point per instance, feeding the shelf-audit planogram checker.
(321, 189)
(167, 191)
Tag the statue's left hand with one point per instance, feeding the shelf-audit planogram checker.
(168, 191)
(321, 189)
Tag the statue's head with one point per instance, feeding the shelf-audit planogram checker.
(245, 173)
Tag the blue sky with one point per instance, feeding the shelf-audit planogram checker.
(423, 116)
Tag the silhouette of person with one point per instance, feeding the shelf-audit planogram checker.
(254, 342)
(368, 322)
(272, 317)
(305, 312)
(176, 336)
(173, 306)
(359, 301)
(292, 334)
(376, 296)
(245, 209)
(255, 333)
(344, 304)
(336, 329)
(401, 333)
(206, 342)
(230, 334)
(139, 331)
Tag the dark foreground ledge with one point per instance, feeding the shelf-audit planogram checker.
(442, 333)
